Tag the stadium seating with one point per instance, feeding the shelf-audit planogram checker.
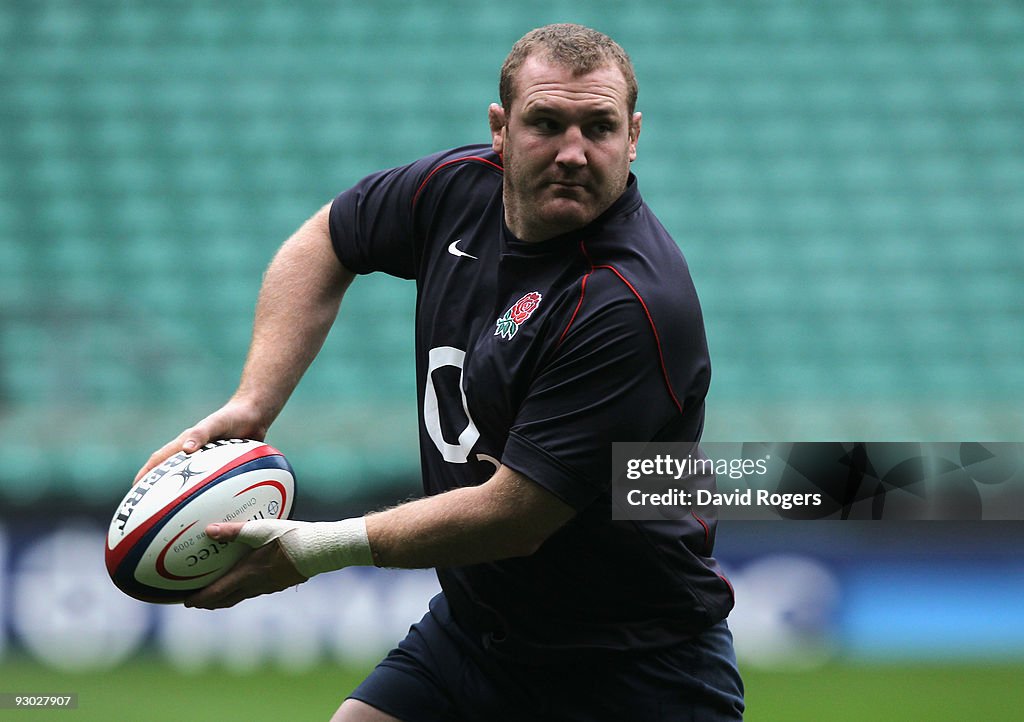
(847, 182)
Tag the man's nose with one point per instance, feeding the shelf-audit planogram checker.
(572, 151)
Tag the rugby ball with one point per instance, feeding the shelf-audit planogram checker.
(157, 548)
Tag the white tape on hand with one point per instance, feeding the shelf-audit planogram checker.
(313, 547)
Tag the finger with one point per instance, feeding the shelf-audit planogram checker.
(260, 571)
(225, 531)
(190, 440)
(196, 437)
(222, 601)
(228, 598)
(251, 576)
(158, 457)
(217, 592)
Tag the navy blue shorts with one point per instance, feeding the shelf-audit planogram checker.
(441, 673)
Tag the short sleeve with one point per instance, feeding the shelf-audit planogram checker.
(376, 225)
(372, 226)
(604, 384)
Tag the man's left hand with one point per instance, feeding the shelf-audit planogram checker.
(264, 570)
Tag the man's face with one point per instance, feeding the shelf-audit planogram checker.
(566, 144)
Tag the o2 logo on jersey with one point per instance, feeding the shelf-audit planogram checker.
(458, 453)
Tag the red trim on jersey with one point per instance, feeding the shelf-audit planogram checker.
(707, 531)
(647, 312)
(432, 173)
(583, 292)
(732, 592)
(654, 330)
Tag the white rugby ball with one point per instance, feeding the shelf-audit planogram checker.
(157, 548)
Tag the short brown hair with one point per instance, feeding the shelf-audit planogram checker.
(578, 48)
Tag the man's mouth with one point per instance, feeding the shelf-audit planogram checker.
(567, 184)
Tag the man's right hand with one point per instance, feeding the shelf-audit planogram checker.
(234, 420)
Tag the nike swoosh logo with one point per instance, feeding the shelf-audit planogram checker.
(453, 248)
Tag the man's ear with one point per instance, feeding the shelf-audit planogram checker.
(496, 119)
(634, 134)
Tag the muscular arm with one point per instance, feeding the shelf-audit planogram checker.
(507, 516)
(298, 302)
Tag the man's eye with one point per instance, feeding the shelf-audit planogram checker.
(546, 125)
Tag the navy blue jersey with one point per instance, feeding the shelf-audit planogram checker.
(539, 356)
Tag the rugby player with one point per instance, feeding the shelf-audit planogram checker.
(555, 316)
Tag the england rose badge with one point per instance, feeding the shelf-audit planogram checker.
(508, 324)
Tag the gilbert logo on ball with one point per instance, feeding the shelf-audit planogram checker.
(157, 548)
